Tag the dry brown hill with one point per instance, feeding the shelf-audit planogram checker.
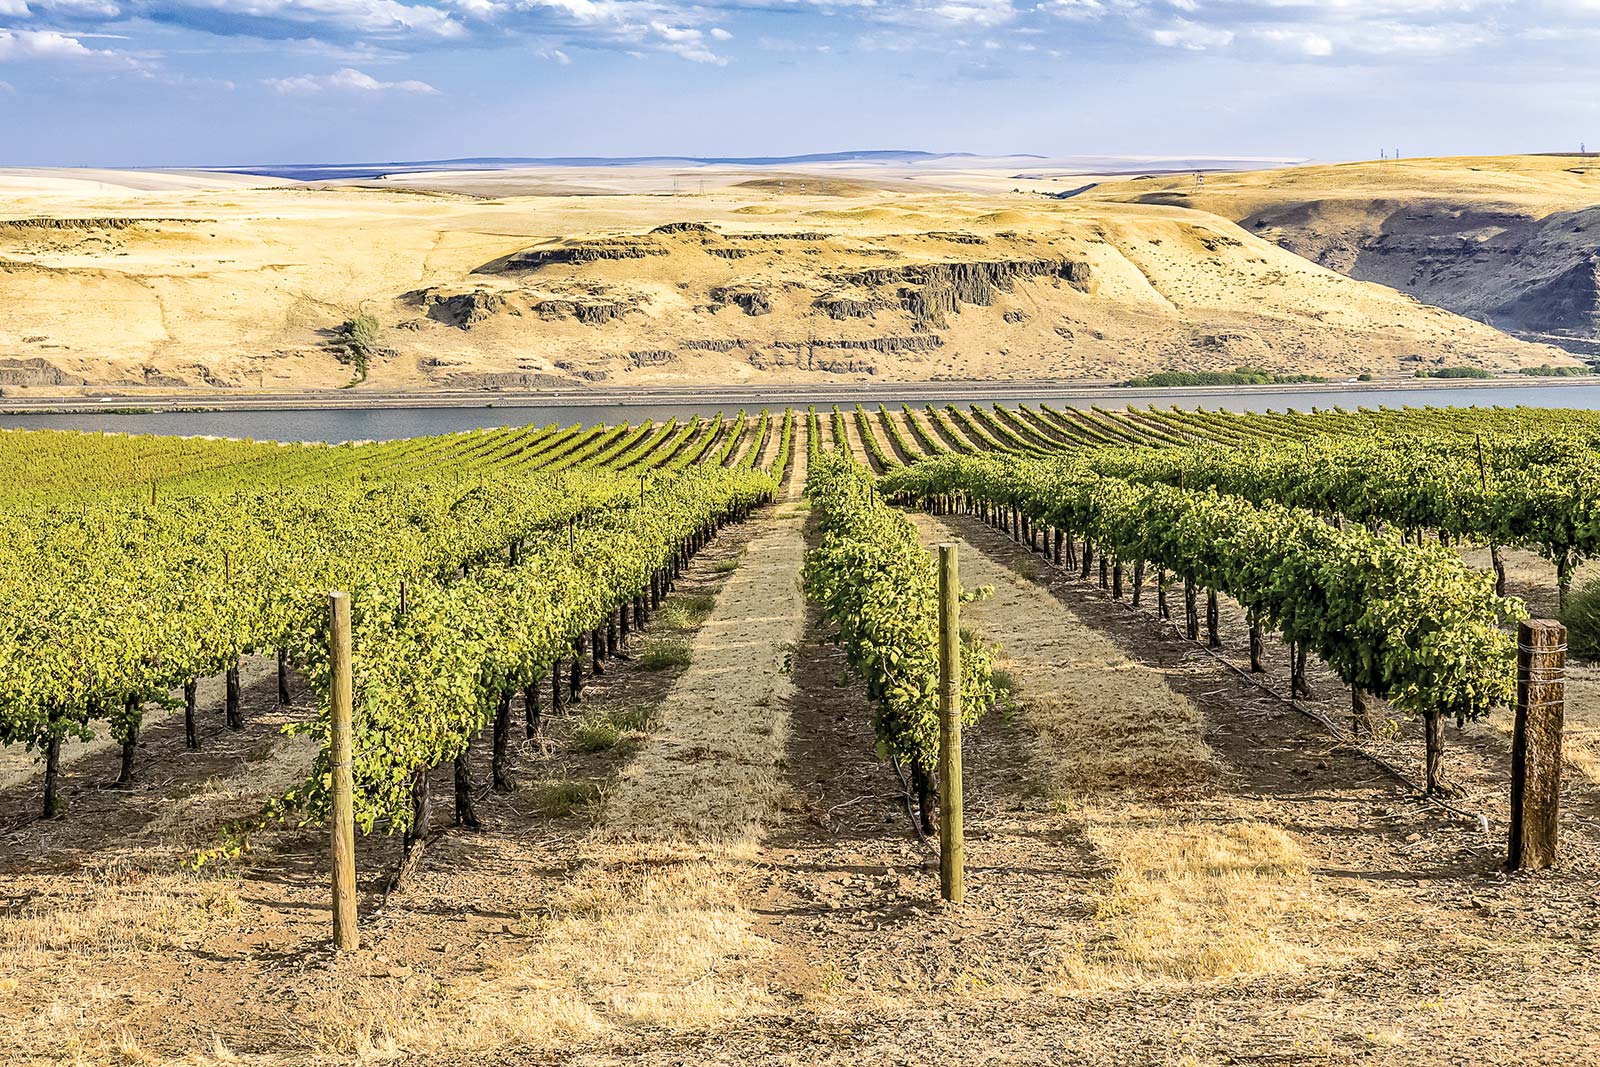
(1513, 241)
(753, 279)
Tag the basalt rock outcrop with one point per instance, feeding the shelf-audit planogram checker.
(1532, 277)
(34, 371)
(463, 310)
(751, 299)
(580, 252)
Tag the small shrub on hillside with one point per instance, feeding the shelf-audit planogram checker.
(358, 341)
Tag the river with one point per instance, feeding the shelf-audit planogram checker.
(412, 417)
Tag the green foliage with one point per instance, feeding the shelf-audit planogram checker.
(358, 341)
(873, 580)
(595, 734)
(565, 796)
(662, 655)
(1411, 624)
(1455, 372)
(1582, 620)
(1545, 370)
(1243, 375)
(685, 612)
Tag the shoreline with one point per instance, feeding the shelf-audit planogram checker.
(778, 395)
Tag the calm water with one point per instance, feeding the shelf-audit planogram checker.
(384, 424)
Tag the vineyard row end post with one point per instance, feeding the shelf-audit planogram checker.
(1536, 744)
(341, 708)
(952, 846)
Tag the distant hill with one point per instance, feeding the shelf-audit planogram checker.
(334, 171)
(1513, 241)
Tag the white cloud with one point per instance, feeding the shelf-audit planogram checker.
(14, 9)
(1194, 36)
(7, 87)
(347, 80)
(1305, 42)
(382, 17)
(45, 45)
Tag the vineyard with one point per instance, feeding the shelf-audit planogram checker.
(645, 743)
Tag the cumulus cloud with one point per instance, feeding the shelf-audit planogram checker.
(347, 80)
(16, 45)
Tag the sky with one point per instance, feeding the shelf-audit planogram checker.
(226, 82)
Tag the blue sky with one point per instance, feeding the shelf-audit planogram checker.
(193, 82)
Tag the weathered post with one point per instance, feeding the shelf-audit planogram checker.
(341, 701)
(1536, 744)
(191, 739)
(952, 848)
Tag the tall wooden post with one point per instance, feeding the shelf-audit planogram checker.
(341, 713)
(952, 847)
(1536, 743)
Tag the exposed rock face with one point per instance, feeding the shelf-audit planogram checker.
(34, 371)
(652, 357)
(975, 281)
(870, 344)
(928, 292)
(463, 310)
(588, 312)
(1536, 278)
(684, 227)
(104, 223)
(712, 345)
(845, 307)
(753, 299)
(581, 252)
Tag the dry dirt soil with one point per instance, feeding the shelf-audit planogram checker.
(706, 863)
(638, 276)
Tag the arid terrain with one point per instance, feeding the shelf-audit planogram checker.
(654, 275)
(1511, 241)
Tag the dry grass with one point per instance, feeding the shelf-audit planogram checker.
(640, 940)
(1102, 720)
(1188, 901)
(54, 1006)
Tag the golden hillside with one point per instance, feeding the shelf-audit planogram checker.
(522, 280)
(1509, 240)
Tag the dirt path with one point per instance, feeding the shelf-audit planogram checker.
(1232, 889)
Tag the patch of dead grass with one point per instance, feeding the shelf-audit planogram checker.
(1193, 902)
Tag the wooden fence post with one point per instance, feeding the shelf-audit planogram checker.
(952, 847)
(1536, 744)
(341, 713)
